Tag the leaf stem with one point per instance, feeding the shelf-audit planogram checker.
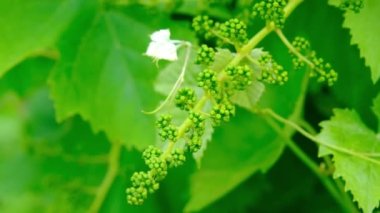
(105, 186)
(326, 181)
(296, 52)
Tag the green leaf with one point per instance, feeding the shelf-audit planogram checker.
(362, 177)
(376, 110)
(30, 27)
(27, 76)
(249, 97)
(364, 28)
(105, 78)
(222, 58)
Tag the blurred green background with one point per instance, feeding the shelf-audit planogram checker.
(73, 78)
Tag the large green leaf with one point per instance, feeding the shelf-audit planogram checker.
(29, 27)
(105, 78)
(364, 28)
(362, 176)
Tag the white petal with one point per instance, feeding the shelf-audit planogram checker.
(162, 50)
(161, 35)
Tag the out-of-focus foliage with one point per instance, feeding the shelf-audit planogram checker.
(74, 79)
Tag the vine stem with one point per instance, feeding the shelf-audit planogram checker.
(112, 170)
(363, 156)
(179, 81)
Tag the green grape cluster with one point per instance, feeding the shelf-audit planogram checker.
(271, 11)
(241, 76)
(167, 130)
(176, 158)
(158, 167)
(271, 72)
(222, 112)
(196, 131)
(203, 26)
(151, 152)
(142, 184)
(354, 5)
(302, 46)
(323, 71)
(146, 182)
(205, 55)
(234, 31)
(185, 99)
(207, 79)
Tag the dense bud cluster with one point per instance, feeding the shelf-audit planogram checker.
(151, 152)
(176, 158)
(136, 196)
(234, 31)
(196, 131)
(197, 121)
(323, 71)
(302, 46)
(203, 26)
(207, 79)
(271, 72)
(241, 76)
(158, 167)
(205, 55)
(354, 5)
(271, 11)
(185, 98)
(147, 182)
(142, 184)
(144, 179)
(222, 112)
(167, 130)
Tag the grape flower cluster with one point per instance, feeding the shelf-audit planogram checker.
(218, 86)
